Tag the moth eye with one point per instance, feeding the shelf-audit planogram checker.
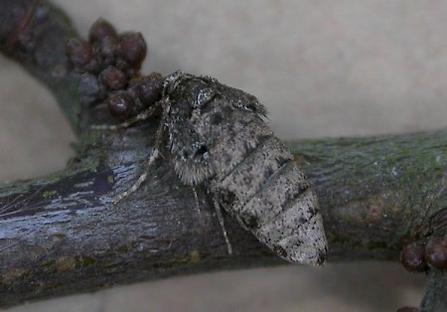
(201, 152)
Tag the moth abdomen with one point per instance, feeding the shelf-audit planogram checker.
(271, 198)
(247, 177)
(298, 231)
(275, 196)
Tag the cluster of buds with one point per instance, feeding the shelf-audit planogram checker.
(109, 64)
(419, 256)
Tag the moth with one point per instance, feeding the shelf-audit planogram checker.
(218, 136)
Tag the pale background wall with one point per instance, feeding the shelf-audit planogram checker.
(323, 68)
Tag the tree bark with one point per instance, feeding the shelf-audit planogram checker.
(61, 235)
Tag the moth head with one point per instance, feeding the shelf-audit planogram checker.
(198, 91)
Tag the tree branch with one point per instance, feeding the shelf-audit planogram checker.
(34, 33)
(61, 235)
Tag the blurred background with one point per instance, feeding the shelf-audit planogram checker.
(339, 68)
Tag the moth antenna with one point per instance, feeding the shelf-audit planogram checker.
(222, 225)
(148, 112)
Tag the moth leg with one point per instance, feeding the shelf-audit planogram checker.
(140, 180)
(222, 225)
(148, 112)
(196, 200)
(219, 218)
(155, 153)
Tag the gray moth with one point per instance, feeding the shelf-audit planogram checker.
(218, 136)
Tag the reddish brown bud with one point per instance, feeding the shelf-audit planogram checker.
(412, 257)
(147, 91)
(101, 29)
(80, 54)
(436, 253)
(113, 78)
(120, 105)
(90, 90)
(132, 49)
(106, 50)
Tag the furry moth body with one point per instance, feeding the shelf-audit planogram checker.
(218, 136)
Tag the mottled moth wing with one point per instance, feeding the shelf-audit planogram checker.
(218, 135)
